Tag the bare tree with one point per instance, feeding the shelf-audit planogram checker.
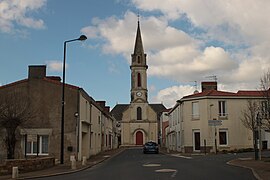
(15, 112)
(249, 121)
(265, 105)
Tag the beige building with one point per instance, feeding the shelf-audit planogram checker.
(211, 120)
(88, 128)
(139, 120)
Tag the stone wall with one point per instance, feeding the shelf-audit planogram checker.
(25, 165)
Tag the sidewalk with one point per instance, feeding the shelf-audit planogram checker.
(66, 168)
(260, 169)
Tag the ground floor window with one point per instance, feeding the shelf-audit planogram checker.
(37, 144)
(223, 137)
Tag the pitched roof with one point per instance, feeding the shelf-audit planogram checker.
(210, 93)
(251, 93)
(226, 94)
(158, 108)
(118, 110)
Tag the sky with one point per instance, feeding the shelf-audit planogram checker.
(186, 42)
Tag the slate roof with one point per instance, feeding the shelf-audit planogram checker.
(118, 110)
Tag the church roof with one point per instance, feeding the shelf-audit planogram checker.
(158, 108)
(117, 111)
(138, 42)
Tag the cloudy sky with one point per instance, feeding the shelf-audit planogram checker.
(186, 42)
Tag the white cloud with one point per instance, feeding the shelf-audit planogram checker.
(233, 43)
(117, 34)
(55, 66)
(15, 12)
(170, 95)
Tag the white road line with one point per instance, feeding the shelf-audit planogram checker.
(173, 171)
(178, 155)
(151, 165)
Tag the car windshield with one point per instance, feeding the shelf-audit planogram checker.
(150, 144)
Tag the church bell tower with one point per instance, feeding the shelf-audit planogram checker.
(138, 68)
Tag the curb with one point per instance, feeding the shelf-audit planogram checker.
(255, 174)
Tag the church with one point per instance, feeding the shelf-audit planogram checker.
(139, 120)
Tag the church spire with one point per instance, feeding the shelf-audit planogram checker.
(138, 71)
(138, 42)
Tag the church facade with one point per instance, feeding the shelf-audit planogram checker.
(139, 120)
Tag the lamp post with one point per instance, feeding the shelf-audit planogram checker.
(81, 38)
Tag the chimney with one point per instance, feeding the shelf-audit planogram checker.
(210, 85)
(101, 104)
(107, 109)
(36, 71)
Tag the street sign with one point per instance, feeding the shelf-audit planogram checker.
(214, 122)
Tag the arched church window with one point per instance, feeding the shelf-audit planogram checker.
(139, 59)
(139, 113)
(139, 80)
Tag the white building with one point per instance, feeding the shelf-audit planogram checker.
(192, 119)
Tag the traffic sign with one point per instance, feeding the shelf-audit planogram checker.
(214, 122)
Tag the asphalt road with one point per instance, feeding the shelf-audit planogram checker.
(132, 164)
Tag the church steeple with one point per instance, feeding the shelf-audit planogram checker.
(138, 42)
(138, 71)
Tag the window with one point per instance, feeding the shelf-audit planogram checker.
(195, 110)
(139, 80)
(223, 137)
(37, 144)
(139, 113)
(222, 109)
(139, 59)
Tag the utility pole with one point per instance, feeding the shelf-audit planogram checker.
(259, 144)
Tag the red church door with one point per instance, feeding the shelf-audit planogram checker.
(139, 138)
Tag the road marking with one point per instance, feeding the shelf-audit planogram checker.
(151, 165)
(173, 171)
(179, 155)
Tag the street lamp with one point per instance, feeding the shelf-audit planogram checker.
(81, 38)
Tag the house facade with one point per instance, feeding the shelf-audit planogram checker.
(88, 125)
(211, 121)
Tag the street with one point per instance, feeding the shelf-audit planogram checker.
(132, 164)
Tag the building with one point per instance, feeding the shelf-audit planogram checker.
(164, 123)
(139, 119)
(211, 120)
(88, 127)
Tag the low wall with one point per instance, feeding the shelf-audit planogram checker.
(25, 165)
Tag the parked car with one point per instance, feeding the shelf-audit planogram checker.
(150, 147)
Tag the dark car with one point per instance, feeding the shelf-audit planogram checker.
(150, 147)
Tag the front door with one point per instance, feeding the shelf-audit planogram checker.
(197, 141)
(139, 138)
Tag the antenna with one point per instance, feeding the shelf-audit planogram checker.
(196, 85)
(213, 77)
